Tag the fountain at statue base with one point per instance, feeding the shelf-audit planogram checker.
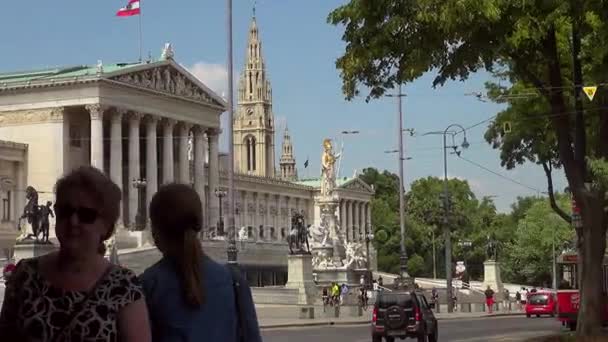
(334, 259)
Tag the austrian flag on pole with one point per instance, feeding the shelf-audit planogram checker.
(131, 9)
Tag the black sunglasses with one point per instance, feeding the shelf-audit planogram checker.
(84, 214)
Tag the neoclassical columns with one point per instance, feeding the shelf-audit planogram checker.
(116, 147)
(199, 166)
(134, 164)
(368, 217)
(96, 112)
(168, 164)
(151, 159)
(184, 167)
(214, 176)
(19, 194)
(343, 219)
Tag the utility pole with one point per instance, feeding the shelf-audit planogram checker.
(404, 279)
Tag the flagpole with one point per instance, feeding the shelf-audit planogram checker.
(140, 33)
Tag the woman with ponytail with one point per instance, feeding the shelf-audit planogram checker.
(191, 297)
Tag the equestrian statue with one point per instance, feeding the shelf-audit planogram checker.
(298, 235)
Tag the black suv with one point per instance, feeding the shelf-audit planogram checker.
(403, 314)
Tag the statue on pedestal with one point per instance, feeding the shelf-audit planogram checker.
(36, 216)
(492, 248)
(328, 169)
(298, 235)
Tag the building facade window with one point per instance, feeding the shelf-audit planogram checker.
(75, 136)
(6, 208)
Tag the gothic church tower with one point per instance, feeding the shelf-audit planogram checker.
(254, 122)
(288, 160)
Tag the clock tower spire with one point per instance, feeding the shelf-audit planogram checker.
(254, 121)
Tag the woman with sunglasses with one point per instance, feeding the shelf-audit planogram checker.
(190, 297)
(75, 294)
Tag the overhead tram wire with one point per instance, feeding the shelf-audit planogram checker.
(500, 175)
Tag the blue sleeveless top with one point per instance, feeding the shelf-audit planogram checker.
(172, 320)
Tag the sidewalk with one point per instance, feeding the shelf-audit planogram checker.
(271, 317)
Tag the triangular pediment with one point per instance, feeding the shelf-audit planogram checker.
(357, 184)
(169, 78)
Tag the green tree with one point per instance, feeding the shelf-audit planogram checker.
(529, 255)
(385, 217)
(391, 42)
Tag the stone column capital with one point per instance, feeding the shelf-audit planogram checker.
(198, 129)
(186, 125)
(214, 132)
(151, 119)
(121, 111)
(169, 123)
(135, 117)
(96, 110)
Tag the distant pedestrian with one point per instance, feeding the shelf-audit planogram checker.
(343, 293)
(518, 299)
(380, 283)
(375, 285)
(489, 299)
(507, 300)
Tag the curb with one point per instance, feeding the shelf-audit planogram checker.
(481, 317)
(312, 324)
(330, 323)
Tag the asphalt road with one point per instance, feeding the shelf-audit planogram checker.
(503, 329)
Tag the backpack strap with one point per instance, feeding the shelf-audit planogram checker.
(236, 287)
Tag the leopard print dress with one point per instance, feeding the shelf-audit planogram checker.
(40, 310)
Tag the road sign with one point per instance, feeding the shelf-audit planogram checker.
(590, 92)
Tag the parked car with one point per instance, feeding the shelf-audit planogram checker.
(401, 314)
(541, 303)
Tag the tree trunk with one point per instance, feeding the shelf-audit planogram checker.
(591, 252)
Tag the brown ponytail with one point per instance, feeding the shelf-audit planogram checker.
(176, 215)
(189, 263)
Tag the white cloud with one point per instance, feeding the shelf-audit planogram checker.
(214, 76)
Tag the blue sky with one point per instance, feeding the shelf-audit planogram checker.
(300, 49)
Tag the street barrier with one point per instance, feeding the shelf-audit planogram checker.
(307, 312)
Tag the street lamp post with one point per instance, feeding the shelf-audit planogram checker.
(369, 237)
(220, 225)
(232, 251)
(434, 255)
(140, 218)
(446, 205)
(446, 226)
(404, 279)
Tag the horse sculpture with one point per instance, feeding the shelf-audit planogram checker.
(36, 216)
(298, 235)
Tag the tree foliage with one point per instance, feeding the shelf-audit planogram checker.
(529, 255)
(551, 47)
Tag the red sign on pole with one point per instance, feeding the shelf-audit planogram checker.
(575, 208)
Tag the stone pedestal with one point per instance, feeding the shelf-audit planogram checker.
(491, 276)
(8, 235)
(299, 276)
(337, 275)
(26, 250)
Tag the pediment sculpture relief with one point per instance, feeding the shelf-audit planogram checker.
(356, 186)
(167, 80)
